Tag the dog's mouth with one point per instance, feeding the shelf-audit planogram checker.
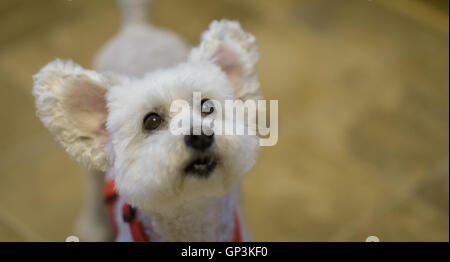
(201, 166)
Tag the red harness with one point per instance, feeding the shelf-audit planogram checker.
(129, 216)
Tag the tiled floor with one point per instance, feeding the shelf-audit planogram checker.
(363, 90)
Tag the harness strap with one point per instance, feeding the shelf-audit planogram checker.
(137, 230)
(110, 196)
(237, 228)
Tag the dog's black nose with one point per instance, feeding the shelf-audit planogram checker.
(199, 142)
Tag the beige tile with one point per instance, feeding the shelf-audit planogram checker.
(10, 235)
(309, 197)
(434, 189)
(410, 220)
(44, 194)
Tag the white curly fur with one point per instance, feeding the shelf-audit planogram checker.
(230, 34)
(147, 47)
(50, 86)
(140, 159)
(148, 167)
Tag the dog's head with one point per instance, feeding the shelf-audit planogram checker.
(123, 124)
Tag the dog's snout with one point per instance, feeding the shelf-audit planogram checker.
(199, 142)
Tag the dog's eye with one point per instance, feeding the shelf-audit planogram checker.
(152, 121)
(207, 106)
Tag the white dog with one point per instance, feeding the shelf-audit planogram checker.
(115, 121)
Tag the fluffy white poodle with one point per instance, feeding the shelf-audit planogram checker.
(158, 186)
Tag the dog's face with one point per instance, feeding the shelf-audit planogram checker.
(157, 168)
(116, 123)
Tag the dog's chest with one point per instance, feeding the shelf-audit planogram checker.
(132, 225)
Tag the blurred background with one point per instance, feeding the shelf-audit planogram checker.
(363, 90)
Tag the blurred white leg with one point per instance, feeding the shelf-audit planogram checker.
(93, 222)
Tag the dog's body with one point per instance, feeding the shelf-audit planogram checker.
(115, 122)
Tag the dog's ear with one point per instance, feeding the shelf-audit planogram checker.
(235, 52)
(71, 103)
